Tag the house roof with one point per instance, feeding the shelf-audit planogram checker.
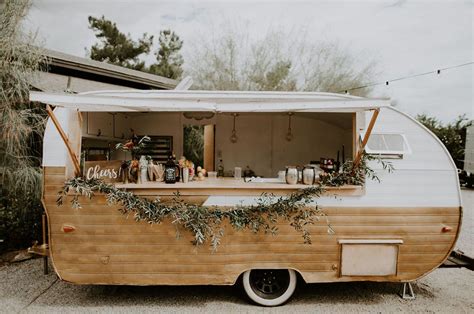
(210, 101)
(69, 65)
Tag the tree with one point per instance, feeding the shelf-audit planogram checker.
(117, 48)
(168, 56)
(453, 135)
(21, 129)
(193, 146)
(282, 61)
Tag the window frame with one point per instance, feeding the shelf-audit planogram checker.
(387, 153)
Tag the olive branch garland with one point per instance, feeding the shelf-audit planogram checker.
(206, 222)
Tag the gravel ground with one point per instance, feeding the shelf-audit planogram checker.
(24, 288)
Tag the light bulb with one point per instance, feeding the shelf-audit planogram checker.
(289, 136)
(233, 138)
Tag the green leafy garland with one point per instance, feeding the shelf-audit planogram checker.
(206, 222)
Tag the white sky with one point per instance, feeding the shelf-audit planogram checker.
(404, 37)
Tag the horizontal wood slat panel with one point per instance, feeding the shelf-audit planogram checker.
(183, 268)
(54, 180)
(184, 247)
(113, 217)
(416, 258)
(54, 170)
(139, 227)
(424, 248)
(417, 267)
(187, 249)
(148, 279)
(353, 211)
(198, 259)
(97, 202)
(53, 189)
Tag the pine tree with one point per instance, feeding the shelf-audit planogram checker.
(168, 56)
(116, 47)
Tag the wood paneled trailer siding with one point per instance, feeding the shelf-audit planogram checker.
(110, 248)
(413, 215)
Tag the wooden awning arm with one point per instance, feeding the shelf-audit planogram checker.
(75, 162)
(366, 137)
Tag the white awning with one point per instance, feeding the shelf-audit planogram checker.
(208, 101)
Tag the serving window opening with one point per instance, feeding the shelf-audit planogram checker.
(269, 142)
(257, 144)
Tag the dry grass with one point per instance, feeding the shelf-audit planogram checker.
(21, 122)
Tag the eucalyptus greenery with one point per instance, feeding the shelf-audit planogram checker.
(356, 175)
(206, 223)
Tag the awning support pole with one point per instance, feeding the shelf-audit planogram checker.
(366, 137)
(75, 162)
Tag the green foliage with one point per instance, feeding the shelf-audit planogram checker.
(21, 128)
(193, 146)
(453, 135)
(356, 175)
(168, 56)
(116, 47)
(120, 49)
(20, 222)
(206, 223)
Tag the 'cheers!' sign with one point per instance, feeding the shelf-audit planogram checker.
(108, 171)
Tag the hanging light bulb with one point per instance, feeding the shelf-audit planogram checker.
(233, 137)
(289, 134)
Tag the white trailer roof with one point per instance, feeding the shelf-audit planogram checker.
(214, 101)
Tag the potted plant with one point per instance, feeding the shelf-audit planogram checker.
(130, 168)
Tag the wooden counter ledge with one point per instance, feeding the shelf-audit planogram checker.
(230, 186)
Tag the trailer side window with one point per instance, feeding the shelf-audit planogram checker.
(388, 145)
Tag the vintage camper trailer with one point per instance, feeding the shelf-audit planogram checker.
(397, 230)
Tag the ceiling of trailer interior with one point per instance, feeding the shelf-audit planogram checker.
(340, 119)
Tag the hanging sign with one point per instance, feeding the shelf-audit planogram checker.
(108, 171)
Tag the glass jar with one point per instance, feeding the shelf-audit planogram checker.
(291, 175)
(308, 175)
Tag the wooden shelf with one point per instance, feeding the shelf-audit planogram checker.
(103, 138)
(230, 186)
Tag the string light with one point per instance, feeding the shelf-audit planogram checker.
(438, 71)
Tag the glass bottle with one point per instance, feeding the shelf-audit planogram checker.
(178, 169)
(220, 168)
(170, 169)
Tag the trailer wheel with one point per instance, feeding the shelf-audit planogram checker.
(269, 287)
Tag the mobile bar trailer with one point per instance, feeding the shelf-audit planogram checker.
(396, 230)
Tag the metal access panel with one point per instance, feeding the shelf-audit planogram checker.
(369, 258)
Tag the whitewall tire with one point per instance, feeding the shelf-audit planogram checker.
(269, 287)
